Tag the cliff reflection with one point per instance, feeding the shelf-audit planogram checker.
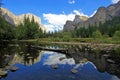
(27, 55)
(20, 53)
(104, 60)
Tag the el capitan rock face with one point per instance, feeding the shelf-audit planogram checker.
(16, 20)
(103, 14)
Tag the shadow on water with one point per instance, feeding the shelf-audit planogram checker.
(91, 62)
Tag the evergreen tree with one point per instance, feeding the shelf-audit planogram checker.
(116, 35)
(97, 34)
(6, 30)
(29, 29)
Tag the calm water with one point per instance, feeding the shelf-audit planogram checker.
(37, 65)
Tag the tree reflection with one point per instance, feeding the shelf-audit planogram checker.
(6, 54)
(18, 53)
(28, 54)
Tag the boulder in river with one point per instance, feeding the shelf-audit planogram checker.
(84, 60)
(61, 58)
(74, 71)
(110, 61)
(106, 55)
(13, 68)
(55, 66)
(3, 73)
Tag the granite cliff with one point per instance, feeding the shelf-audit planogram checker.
(16, 20)
(102, 15)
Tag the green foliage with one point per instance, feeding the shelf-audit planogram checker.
(97, 34)
(109, 27)
(116, 35)
(105, 36)
(6, 30)
(29, 29)
(83, 32)
(117, 51)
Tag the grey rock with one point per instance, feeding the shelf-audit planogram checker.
(74, 71)
(103, 14)
(55, 66)
(110, 61)
(62, 58)
(3, 73)
(16, 20)
(13, 68)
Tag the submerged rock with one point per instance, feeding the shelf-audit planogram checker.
(55, 66)
(61, 58)
(3, 73)
(110, 61)
(106, 55)
(13, 68)
(83, 60)
(74, 71)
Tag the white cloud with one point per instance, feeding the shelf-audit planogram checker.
(56, 21)
(71, 2)
(115, 1)
(79, 13)
(55, 59)
(93, 13)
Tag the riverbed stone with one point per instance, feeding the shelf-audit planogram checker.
(13, 68)
(55, 66)
(106, 55)
(3, 73)
(84, 60)
(110, 61)
(61, 58)
(74, 71)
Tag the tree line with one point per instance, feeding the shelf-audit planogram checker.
(6, 30)
(29, 29)
(110, 28)
(106, 29)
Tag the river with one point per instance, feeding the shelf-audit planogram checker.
(35, 64)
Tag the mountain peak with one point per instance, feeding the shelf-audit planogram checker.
(79, 19)
(103, 14)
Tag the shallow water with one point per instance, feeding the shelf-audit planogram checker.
(37, 65)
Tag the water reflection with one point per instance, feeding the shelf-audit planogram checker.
(43, 70)
(6, 54)
(55, 58)
(18, 53)
(103, 60)
(27, 54)
(37, 65)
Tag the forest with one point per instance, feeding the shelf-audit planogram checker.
(29, 29)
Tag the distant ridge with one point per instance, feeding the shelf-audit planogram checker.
(103, 14)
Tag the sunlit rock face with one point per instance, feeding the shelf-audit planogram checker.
(102, 15)
(79, 19)
(16, 20)
(70, 25)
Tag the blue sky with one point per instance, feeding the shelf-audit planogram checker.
(54, 13)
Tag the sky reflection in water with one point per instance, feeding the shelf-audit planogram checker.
(42, 70)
